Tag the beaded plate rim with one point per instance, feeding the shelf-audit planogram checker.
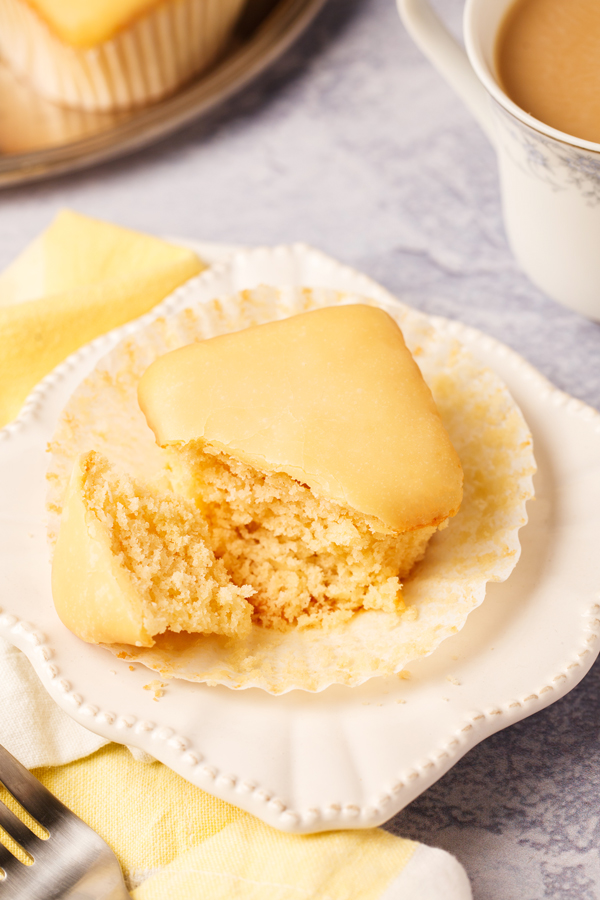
(402, 780)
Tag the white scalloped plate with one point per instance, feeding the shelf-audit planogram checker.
(348, 757)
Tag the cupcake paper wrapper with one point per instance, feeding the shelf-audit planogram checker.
(479, 545)
(143, 62)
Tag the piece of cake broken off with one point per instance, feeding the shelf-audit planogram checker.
(314, 450)
(131, 562)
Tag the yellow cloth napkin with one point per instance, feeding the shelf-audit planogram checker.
(178, 843)
(79, 279)
(174, 841)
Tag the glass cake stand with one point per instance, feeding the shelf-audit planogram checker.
(39, 139)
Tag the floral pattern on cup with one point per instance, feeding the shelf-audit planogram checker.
(559, 164)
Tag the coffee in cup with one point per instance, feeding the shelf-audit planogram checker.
(548, 62)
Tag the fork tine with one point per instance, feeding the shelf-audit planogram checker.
(17, 829)
(74, 862)
(28, 791)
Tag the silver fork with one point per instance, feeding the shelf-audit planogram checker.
(73, 863)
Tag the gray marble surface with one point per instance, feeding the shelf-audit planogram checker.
(354, 144)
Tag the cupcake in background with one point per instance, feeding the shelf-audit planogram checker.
(113, 54)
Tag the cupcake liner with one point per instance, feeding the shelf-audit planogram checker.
(143, 62)
(479, 545)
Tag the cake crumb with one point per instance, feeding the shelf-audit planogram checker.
(412, 613)
(400, 701)
(157, 687)
(404, 675)
(453, 680)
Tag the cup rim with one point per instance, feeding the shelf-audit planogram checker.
(475, 54)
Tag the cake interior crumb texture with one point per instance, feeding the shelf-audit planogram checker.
(161, 541)
(309, 560)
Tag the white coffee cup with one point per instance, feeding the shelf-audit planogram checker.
(550, 181)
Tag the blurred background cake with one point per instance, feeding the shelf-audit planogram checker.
(113, 54)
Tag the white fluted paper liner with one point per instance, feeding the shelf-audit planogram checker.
(481, 543)
(142, 63)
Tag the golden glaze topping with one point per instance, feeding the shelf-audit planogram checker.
(333, 397)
